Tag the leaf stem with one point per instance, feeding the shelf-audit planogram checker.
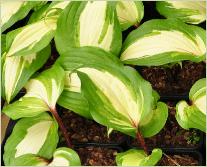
(142, 142)
(62, 127)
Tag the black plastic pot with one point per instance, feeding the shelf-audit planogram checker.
(195, 154)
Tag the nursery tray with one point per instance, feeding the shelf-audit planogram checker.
(198, 147)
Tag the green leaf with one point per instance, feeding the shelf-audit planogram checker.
(3, 43)
(61, 157)
(31, 38)
(156, 120)
(190, 12)
(37, 135)
(118, 97)
(190, 116)
(158, 42)
(42, 94)
(11, 12)
(65, 157)
(18, 69)
(72, 98)
(129, 13)
(91, 23)
(47, 9)
(135, 157)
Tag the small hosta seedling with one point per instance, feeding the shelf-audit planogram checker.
(129, 13)
(121, 99)
(13, 11)
(61, 157)
(36, 135)
(134, 157)
(42, 95)
(89, 23)
(158, 42)
(193, 12)
(193, 115)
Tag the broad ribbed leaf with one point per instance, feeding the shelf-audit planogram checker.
(30, 38)
(89, 23)
(36, 135)
(129, 13)
(119, 98)
(71, 60)
(42, 94)
(158, 42)
(61, 157)
(18, 69)
(193, 12)
(194, 115)
(12, 11)
(47, 9)
(135, 157)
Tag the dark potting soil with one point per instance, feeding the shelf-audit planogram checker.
(172, 135)
(176, 79)
(97, 156)
(175, 160)
(84, 130)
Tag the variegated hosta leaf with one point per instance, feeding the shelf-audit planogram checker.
(47, 9)
(120, 99)
(135, 157)
(18, 69)
(158, 42)
(193, 12)
(193, 116)
(30, 38)
(129, 13)
(61, 157)
(12, 11)
(71, 60)
(42, 94)
(89, 23)
(197, 95)
(37, 135)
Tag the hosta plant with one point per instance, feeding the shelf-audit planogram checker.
(193, 12)
(33, 142)
(13, 11)
(193, 115)
(134, 157)
(163, 41)
(42, 95)
(71, 60)
(129, 13)
(89, 23)
(121, 99)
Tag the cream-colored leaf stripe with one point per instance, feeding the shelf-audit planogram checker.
(34, 139)
(92, 20)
